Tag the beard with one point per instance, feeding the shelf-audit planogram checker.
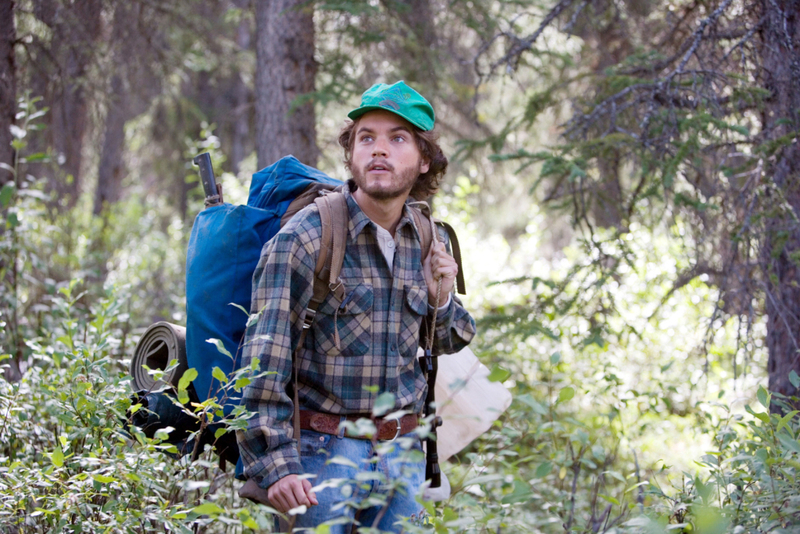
(400, 184)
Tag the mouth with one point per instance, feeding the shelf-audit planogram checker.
(379, 167)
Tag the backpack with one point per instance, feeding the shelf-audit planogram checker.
(224, 248)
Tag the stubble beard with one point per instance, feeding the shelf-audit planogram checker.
(403, 183)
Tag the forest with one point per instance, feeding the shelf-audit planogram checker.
(624, 180)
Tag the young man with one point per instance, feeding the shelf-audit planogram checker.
(365, 344)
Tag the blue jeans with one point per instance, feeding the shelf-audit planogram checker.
(361, 486)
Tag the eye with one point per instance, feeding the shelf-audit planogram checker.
(366, 138)
(399, 138)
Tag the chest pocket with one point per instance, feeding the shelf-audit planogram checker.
(416, 302)
(344, 328)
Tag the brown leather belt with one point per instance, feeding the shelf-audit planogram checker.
(388, 429)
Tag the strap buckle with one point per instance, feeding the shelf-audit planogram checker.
(308, 319)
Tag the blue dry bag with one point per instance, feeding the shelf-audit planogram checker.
(224, 249)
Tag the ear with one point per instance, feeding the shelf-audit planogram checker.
(424, 166)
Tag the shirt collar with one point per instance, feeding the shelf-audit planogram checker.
(359, 220)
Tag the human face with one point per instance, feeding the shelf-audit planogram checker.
(385, 159)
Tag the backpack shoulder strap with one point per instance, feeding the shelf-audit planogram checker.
(425, 224)
(333, 215)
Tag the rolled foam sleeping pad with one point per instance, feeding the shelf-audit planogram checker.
(160, 344)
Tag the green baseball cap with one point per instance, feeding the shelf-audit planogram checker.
(399, 99)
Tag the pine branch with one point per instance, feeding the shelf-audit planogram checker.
(513, 55)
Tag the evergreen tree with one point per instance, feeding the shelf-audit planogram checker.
(682, 114)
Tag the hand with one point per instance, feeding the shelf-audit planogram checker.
(439, 266)
(290, 492)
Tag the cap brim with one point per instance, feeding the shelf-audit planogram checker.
(356, 113)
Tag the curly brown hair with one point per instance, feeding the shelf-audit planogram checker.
(428, 183)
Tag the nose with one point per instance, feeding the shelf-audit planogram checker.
(379, 148)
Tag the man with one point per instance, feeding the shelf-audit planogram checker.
(363, 345)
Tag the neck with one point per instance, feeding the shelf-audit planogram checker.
(384, 213)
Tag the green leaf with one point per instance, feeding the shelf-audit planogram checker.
(555, 358)
(220, 432)
(219, 374)
(220, 347)
(6, 193)
(208, 508)
(483, 479)
(39, 156)
(565, 394)
(241, 383)
(247, 313)
(763, 397)
(762, 416)
(740, 129)
(543, 470)
(521, 493)
(608, 498)
(57, 457)
(535, 405)
(383, 404)
(103, 479)
(341, 460)
(499, 374)
(789, 443)
(785, 420)
(794, 378)
(616, 475)
(163, 433)
(187, 379)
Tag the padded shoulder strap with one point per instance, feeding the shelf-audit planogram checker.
(423, 223)
(423, 220)
(333, 215)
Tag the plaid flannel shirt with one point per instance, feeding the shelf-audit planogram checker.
(369, 339)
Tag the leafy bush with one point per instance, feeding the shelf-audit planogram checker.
(67, 463)
(749, 480)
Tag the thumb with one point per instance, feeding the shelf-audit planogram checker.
(311, 495)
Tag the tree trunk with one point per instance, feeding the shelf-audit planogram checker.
(242, 109)
(8, 107)
(417, 57)
(780, 41)
(285, 70)
(111, 170)
(75, 31)
(8, 87)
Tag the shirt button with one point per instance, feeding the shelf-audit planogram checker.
(390, 244)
